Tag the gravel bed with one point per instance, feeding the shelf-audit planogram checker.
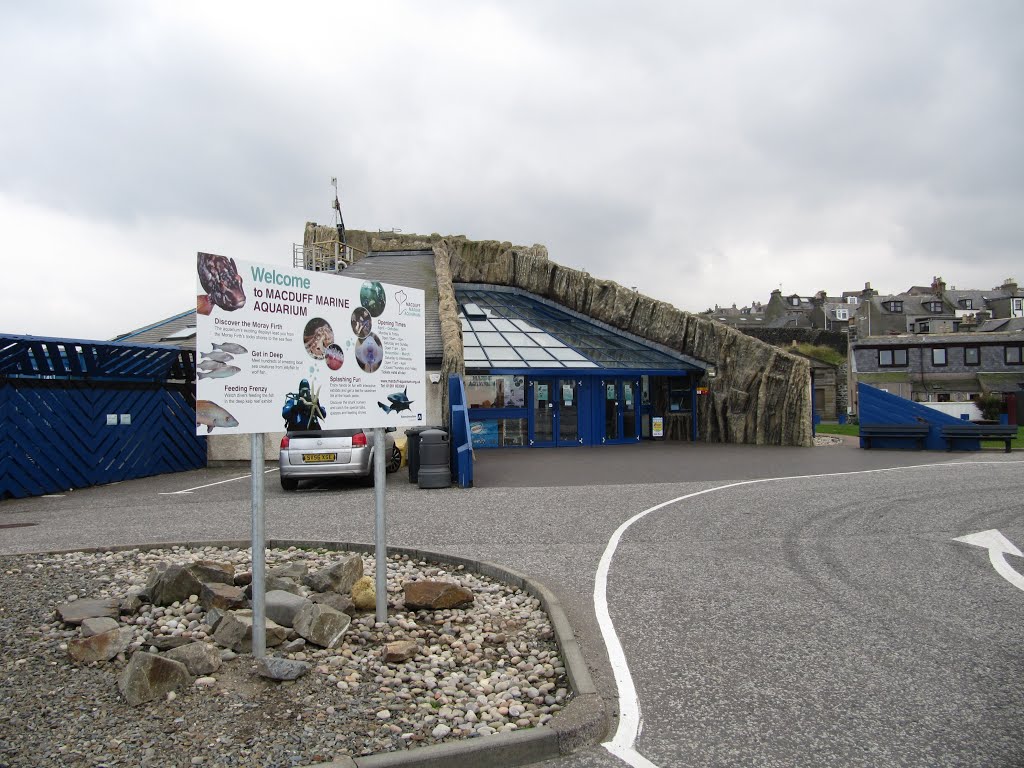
(487, 668)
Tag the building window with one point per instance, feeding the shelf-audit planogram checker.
(794, 301)
(842, 314)
(894, 306)
(972, 356)
(943, 397)
(487, 391)
(967, 303)
(924, 327)
(890, 358)
(934, 306)
(1013, 355)
(851, 299)
(938, 356)
(1018, 307)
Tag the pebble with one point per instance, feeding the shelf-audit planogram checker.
(489, 668)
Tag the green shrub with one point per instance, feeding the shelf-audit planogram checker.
(990, 404)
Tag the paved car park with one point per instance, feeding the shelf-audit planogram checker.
(829, 618)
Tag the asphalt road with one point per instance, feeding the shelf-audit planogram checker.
(828, 618)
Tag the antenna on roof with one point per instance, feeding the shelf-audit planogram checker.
(339, 222)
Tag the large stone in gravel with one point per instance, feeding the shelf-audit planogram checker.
(234, 631)
(282, 606)
(199, 658)
(148, 676)
(338, 577)
(174, 583)
(281, 669)
(78, 611)
(223, 596)
(167, 642)
(364, 594)
(97, 625)
(101, 647)
(294, 571)
(400, 650)
(435, 595)
(282, 583)
(322, 625)
(338, 602)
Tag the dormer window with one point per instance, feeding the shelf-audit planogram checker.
(967, 303)
(842, 314)
(851, 299)
(794, 301)
(894, 306)
(933, 306)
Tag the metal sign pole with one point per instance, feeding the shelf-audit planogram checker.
(380, 547)
(259, 614)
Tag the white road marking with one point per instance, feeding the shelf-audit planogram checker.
(998, 547)
(210, 485)
(622, 743)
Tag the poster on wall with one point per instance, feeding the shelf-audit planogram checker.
(286, 348)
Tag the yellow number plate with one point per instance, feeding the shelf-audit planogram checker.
(318, 458)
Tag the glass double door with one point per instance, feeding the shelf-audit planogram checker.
(621, 410)
(554, 412)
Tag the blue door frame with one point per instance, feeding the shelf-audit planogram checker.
(557, 411)
(617, 417)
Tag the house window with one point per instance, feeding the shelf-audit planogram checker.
(934, 306)
(851, 299)
(890, 358)
(1018, 307)
(972, 356)
(938, 356)
(794, 300)
(842, 314)
(1013, 355)
(967, 303)
(923, 327)
(894, 306)
(943, 397)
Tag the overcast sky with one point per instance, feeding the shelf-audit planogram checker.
(704, 152)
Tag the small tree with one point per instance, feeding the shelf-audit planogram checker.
(990, 404)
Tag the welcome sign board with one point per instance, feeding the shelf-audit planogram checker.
(280, 348)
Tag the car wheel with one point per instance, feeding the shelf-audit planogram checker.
(394, 460)
(289, 483)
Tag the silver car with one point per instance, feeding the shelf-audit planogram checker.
(320, 455)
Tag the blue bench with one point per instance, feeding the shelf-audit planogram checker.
(918, 432)
(1003, 432)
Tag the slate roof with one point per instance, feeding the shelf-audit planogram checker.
(414, 269)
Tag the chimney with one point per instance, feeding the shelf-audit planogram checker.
(938, 286)
(868, 292)
(1010, 286)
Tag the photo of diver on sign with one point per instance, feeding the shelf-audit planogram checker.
(302, 409)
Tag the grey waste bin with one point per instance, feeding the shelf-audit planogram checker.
(435, 459)
(412, 450)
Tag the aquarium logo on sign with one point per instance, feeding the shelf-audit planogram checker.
(406, 306)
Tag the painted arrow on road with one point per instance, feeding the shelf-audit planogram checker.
(998, 547)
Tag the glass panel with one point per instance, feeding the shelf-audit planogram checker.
(502, 391)
(512, 432)
(465, 323)
(492, 340)
(519, 340)
(522, 325)
(481, 325)
(534, 353)
(579, 364)
(543, 411)
(474, 353)
(546, 340)
(564, 353)
(568, 411)
(502, 353)
(504, 325)
(469, 339)
(629, 422)
(611, 411)
(544, 364)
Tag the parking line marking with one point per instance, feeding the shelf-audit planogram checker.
(210, 485)
(622, 743)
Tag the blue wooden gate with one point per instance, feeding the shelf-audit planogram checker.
(80, 413)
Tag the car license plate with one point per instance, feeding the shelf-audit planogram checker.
(318, 458)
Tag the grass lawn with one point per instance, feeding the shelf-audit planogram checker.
(853, 429)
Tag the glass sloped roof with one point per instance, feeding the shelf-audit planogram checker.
(503, 329)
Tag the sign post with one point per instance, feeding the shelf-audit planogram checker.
(354, 348)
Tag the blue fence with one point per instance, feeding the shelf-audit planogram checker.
(76, 413)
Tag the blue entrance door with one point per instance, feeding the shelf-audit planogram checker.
(621, 410)
(554, 412)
